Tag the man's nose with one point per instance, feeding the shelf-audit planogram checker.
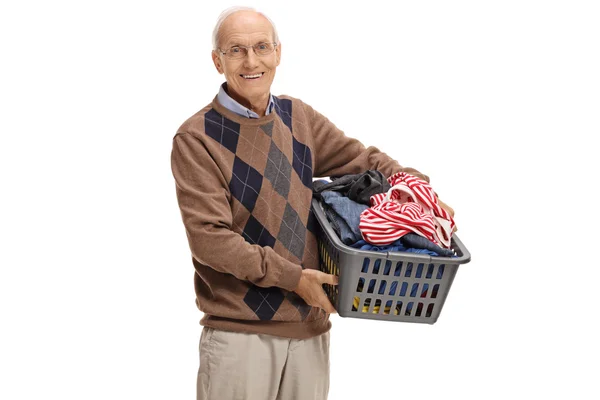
(251, 59)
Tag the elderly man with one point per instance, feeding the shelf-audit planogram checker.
(244, 167)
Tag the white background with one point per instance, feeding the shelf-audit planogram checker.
(497, 101)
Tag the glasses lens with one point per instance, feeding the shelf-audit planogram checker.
(263, 48)
(236, 52)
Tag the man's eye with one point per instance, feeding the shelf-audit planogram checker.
(262, 46)
(235, 50)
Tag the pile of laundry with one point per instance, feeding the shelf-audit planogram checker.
(400, 213)
(397, 214)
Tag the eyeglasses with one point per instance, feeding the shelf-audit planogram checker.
(260, 49)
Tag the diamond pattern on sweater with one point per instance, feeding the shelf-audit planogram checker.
(272, 218)
(292, 232)
(245, 183)
(268, 129)
(255, 233)
(264, 301)
(303, 163)
(299, 303)
(222, 130)
(278, 171)
(284, 110)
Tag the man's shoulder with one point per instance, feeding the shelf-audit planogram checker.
(288, 97)
(290, 104)
(194, 125)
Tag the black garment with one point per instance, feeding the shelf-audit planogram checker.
(357, 187)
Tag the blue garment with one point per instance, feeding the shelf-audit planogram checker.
(419, 242)
(344, 214)
(232, 105)
(396, 246)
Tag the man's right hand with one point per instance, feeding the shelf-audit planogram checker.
(311, 291)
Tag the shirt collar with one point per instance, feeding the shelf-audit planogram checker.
(232, 105)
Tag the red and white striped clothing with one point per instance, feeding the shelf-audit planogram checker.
(409, 206)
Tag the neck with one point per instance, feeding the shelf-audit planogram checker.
(258, 105)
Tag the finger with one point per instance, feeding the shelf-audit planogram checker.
(333, 310)
(325, 304)
(328, 278)
(328, 307)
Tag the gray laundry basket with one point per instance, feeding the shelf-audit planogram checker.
(390, 286)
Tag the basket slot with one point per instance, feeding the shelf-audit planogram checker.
(419, 310)
(440, 271)
(371, 287)
(388, 307)
(382, 287)
(429, 310)
(398, 310)
(366, 305)
(360, 285)
(377, 308)
(329, 264)
(409, 268)
(398, 268)
(376, 265)
(365, 266)
(393, 287)
(425, 290)
(409, 308)
(419, 271)
(429, 271)
(414, 290)
(388, 267)
(435, 290)
(403, 289)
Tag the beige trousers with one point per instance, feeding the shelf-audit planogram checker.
(242, 366)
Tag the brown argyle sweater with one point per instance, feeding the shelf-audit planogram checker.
(244, 187)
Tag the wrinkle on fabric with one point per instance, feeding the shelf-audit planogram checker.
(357, 187)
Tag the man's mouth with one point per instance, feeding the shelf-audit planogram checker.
(254, 76)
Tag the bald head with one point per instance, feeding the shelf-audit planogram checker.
(241, 17)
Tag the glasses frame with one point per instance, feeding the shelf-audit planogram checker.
(247, 48)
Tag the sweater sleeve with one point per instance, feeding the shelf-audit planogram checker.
(337, 154)
(203, 196)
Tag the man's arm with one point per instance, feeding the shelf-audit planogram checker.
(203, 196)
(337, 154)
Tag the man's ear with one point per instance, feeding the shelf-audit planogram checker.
(278, 53)
(217, 61)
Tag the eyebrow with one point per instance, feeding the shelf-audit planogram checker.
(264, 40)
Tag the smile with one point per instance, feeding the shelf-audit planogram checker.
(255, 76)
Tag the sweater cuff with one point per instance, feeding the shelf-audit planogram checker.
(290, 276)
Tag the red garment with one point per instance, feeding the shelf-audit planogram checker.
(409, 206)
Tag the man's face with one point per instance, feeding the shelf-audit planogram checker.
(247, 28)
